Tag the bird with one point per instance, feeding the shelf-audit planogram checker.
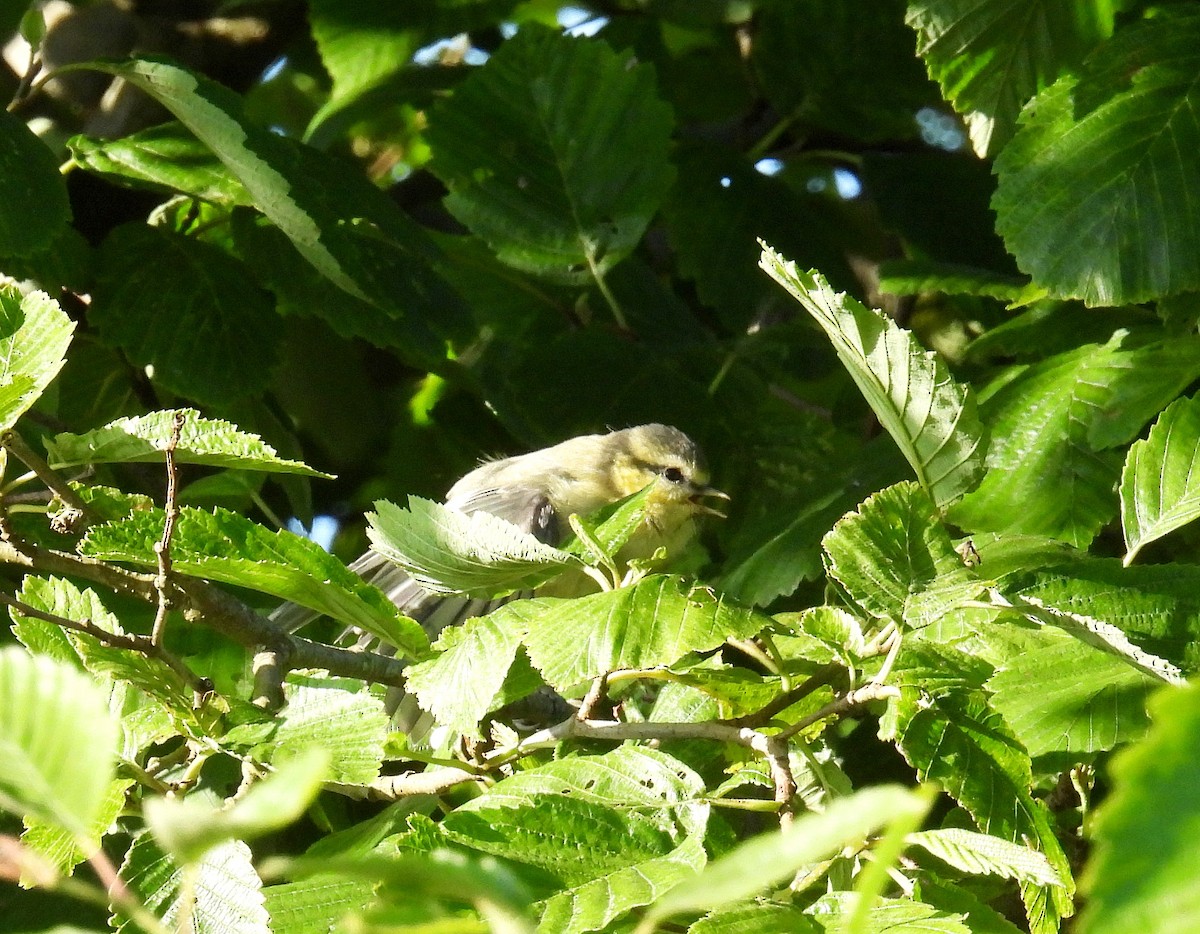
(538, 492)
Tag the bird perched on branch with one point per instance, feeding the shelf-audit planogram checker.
(539, 491)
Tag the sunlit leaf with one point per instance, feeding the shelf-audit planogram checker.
(34, 336)
(58, 742)
(143, 438)
(929, 416)
(1160, 484)
(1141, 876)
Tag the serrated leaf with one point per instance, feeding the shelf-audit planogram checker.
(34, 336)
(655, 622)
(150, 679)
(142, 439)
(154, 285)
(929, 416)
(1156, 606)
(944, 726)
(991, 58)
(65, 850)
(448, 551)
(346, 228)
(1141, 874)
(1067, 697)
(461, 684)
(334, 715)
(1044, 475)
(58, 742)
(187, 828)
(895, 558)
(226, 892)
(32, 191)
(979, 853)
(770, 858)
(836, 911)
(1160, 483)
(760, 917)
(574, 820)
(223, 546)
(583, 162)
(1091, 163)
(165, 158)
(316, 904)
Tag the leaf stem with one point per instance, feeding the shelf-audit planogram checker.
(589, 251)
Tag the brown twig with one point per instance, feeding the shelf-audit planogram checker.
(210, 606)
(843, 705)
(827, 674)
(131, 643)
(162, 547)
(77, 513)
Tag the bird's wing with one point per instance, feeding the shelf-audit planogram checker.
(527, 508)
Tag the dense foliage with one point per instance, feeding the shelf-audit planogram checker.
(920, 277)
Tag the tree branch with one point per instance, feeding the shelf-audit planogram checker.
(77, 513)
(162, 548)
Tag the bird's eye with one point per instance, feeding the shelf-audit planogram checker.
(674, 474)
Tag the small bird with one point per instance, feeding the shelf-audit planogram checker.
(539, 491)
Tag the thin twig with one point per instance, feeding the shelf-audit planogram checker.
(206, 605)
(842, 705)
(825, 675)
(113, 640)
(77, 513)
(162, 548)
(392, 787)
(592, 698)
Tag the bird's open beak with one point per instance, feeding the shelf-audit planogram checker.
(697, 500)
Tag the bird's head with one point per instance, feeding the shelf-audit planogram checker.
(669, 459)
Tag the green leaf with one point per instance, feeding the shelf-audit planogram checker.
(895, 559)
(770, 858)
(187, 828)
(58, 742)
(220, 893)
(138, 681)
(1160, 483)
(944, 726)
(914, 276)
(164, 158)
(823, 86)
(929, 416)
(155, 286)
(34, 336)
(1158, 607)
(1064, 696)
(991, 58)
(980, 853)
(226, 547)
(32, 191)
(837, 911)
(65, 850)
(718, 206)
(1044, 476)
(655, 622)
(448, 551)
(335, 715)
(348, 230)
(1141, 877)
(315, 905)
(1081, 200)
(758, 917)
(555, 153)
(617, 830)
(462, 684)
(142, 439)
